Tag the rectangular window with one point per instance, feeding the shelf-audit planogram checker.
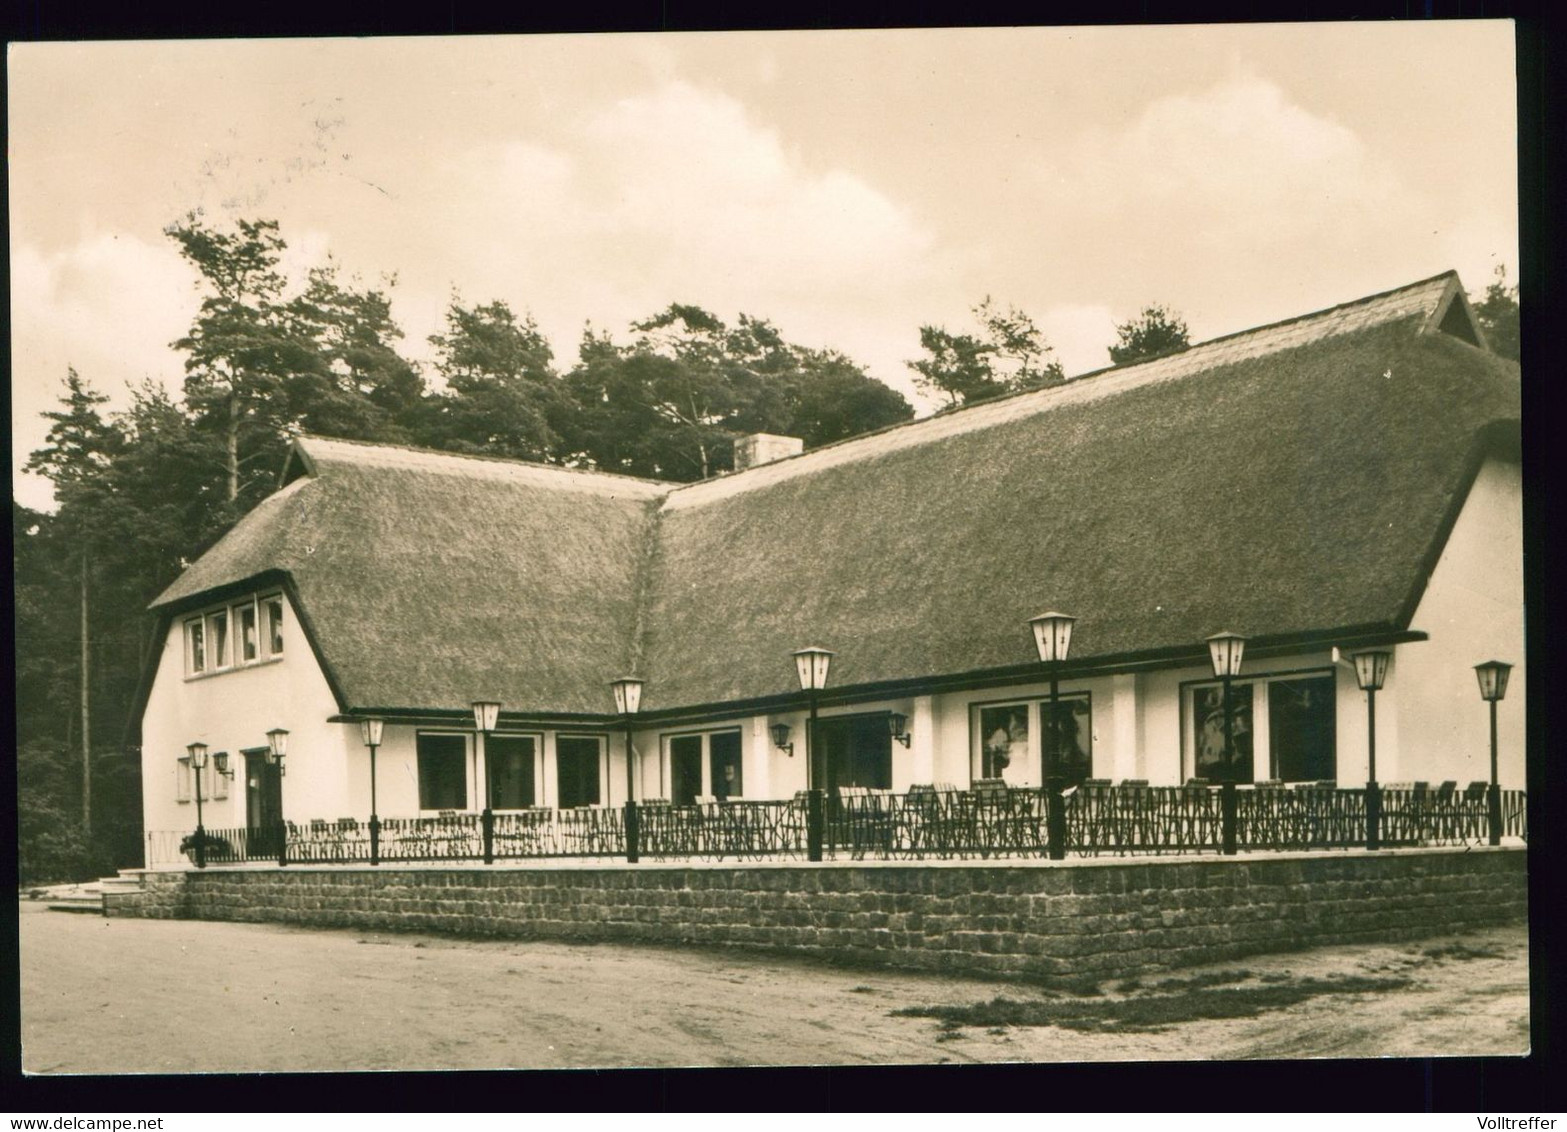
(443, 772)
(685, 769)
(241, 633)
(218, 639)
(1009, 740)
(705, 766)
(245, 624)
(510, 760)
(854, 750)
(195, 646)
(1301, 729)
(577, 769)
(1208, 734)
(274, 624)
(724, 765)
(1284, 727)
(1003, 739)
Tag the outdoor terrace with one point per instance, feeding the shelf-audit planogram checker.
(931, 822)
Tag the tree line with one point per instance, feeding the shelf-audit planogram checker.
(141, 493)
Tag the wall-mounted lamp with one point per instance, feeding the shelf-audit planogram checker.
(781, 738)
(220, 763)
(277, 749)
(898, 728)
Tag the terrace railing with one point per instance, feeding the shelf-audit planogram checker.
(990, 821)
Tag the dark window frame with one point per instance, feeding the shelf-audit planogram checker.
(667, 739)
(1037, 705)
(602, 738)
(465, 805)
(1188, 751)
(536, 772)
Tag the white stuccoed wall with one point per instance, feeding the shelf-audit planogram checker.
(1473, 611)
(234, 710)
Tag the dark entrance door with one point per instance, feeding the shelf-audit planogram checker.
(263, 805)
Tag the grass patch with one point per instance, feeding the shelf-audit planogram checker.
(1459, 950)
(1176, 1001)
(1198, 982)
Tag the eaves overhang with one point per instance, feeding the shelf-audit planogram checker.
(1353, 637)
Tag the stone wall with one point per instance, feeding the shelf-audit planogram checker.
(1059, 923)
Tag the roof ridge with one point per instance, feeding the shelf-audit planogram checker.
(304, 440)
(1211, 353)
(941, 423)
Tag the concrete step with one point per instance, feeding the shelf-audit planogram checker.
(88, 898)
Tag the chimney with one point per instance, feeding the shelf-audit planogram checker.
(764, 448)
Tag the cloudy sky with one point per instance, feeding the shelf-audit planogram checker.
(849, 186)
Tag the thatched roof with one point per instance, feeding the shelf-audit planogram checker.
(1287, 481)
(432, 580)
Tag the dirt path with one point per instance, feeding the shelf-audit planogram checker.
(151, 996)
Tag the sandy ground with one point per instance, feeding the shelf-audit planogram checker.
(158, 996)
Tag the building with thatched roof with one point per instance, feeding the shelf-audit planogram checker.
(1344, 480)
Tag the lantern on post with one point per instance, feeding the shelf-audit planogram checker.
(1492, 675)
(197, 754)
(1224, 651)
(811, 666)
(370, 731)
(277, 751)
(1370, 674)
(486, 713)
(628, 701)
(1052, 640)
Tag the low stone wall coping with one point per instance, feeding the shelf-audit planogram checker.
(611, 864)
(1056, 922)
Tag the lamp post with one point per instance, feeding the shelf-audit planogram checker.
(1225, 650)
(1053, 637)
(277, 751)
(628, 701)
(1493, 686)
(198, 762)
(486, 713)
(370, 730)
(1370, 673)
(811, 665)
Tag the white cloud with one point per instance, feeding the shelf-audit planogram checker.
(1202, 193)
(672, 195)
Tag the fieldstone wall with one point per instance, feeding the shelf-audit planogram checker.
(1058, 923)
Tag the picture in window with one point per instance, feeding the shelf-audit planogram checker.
(1073, 736)
(1208, 732)
(1003, 734)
